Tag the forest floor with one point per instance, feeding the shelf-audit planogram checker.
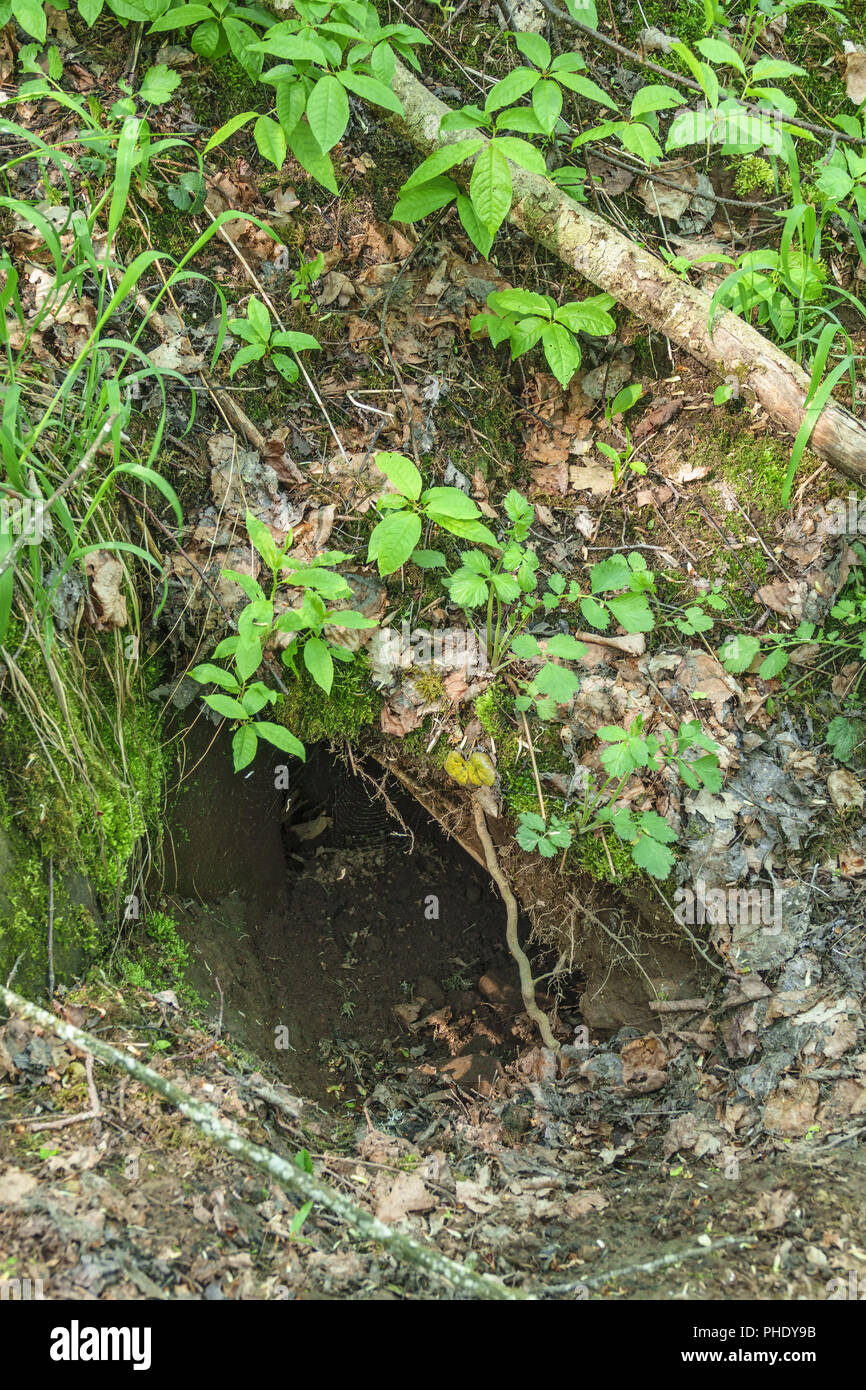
(302, 983)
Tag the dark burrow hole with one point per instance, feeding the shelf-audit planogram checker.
(349, 946)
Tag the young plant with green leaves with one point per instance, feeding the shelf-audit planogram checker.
(483, 209)
(80, 460)
(323, 53)
(220, 27)
(622, 459)
(690, 754)
(410, 507)
(262, 341)
(120, 146)
(703, 612)
(306, 275)
(523, 318)
(505, 590)
(738, 112)
(242, 694)
(842, 638)
(546, 837)
(781, 289)
(841, 176)
(556, 684)
(65, 441)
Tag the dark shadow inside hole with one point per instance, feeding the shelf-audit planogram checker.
(347, 943)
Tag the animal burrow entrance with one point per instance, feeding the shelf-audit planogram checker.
(348, 942)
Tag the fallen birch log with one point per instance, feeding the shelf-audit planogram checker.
(652, 292)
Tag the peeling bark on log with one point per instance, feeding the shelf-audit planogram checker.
(650, 290)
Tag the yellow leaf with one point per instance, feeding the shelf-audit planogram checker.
(481, 771)
(456, 768)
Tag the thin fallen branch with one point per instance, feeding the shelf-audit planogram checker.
(288, 1175)
(51, 928)
(94, 1113)
(527, 984)
(14, 971)
(678, 1006)
(650, 290)
(673, 1257)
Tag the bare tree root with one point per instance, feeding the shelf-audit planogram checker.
(287, 1174)
(527, 984)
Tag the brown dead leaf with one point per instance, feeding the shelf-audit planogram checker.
(845, 791)
(632, 643)
(360, 330)
(772, 1208)
(435, 287)
(176, 355)
(843, 682)
(551, 478)
(402, 720)
(700, 673)
(805, 656)
(475, 1071)
(740, 1032)
(276, 455)
(285, 202)
(850, 861)
(238, 192)
(682, 1134)
(313, 534)
(611, 177)
(337, 289)
(403, 246)
(476, 1196)
(14, 1185)
(455, 686)
(595, 477)
(408, 350)
(688, 473)
(660, 200)
(790, 1110)
(258, 244)
(654, 419)
(377, 1147)
(539, 1064)
(7, 57)
(841, 1040)
(582, 1203)
(785, 596)
(560, 426)
(847, 1100)
(855, 73)
(105, 576)
(407, 1014)
(644, 1061)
